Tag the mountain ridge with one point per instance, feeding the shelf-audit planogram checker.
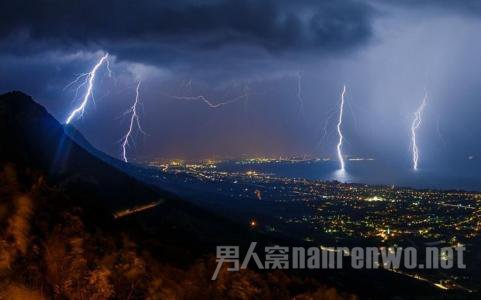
(34, 135)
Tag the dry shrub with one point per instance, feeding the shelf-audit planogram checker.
(68, 267)
(18, 224)
(7, 255)
(99, 284)
(15, 239)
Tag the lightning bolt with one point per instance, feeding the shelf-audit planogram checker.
(209, 102)
(134, 120)
(299, 92)
(414, 126)
(339, 130)
(88, 80)
(212, 104)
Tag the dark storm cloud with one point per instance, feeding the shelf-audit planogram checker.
(133, 27)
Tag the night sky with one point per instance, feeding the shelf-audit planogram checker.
(386, 52)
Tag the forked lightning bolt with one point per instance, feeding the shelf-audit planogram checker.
(244, 97)
(134, 120)
(210, 103)
(89, 80)
(207, 101)
(414, 126)
(339, 130)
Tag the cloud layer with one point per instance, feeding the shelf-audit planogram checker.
(136, 29)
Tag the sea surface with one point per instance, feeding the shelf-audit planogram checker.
(367, 172)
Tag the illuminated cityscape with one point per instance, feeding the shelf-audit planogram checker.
(351, 210)
(332, 213)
